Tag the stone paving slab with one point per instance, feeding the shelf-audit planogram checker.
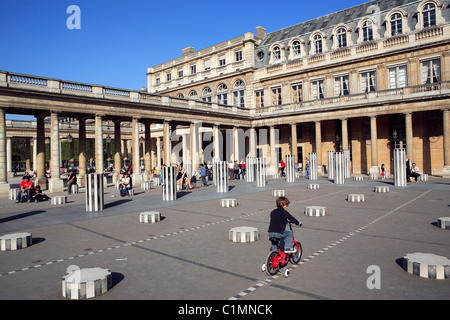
(187, 255)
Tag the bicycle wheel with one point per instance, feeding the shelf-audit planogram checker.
(295, 257)
(272, 267)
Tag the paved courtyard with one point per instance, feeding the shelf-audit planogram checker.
(187, 255)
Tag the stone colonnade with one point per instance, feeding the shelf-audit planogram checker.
(239, 143)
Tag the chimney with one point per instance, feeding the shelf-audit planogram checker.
(260, 32)
(187, 50)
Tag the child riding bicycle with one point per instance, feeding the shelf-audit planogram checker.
(277, 227)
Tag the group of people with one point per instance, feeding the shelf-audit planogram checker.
(125, 182)
(183, 178)
(28, 190)
(412, 171)
(236, 170)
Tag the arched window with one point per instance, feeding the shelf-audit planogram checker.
(396, 24)
(367, 30)
(429, 15)
(222, 94)
(206, 94)
(341, 35)
(193, 95)
(239, 94)
(180, 95)
(317, 43)
(276, 54)
(296, 49)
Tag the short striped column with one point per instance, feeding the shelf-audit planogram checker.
(94, 192)
(74, 189)
(346, 160)
(15, 241)
(358, 178)
(313, 186)
(381, 189)
(427, 265)
(169, 187)
(399, 168)
(290, 168)
(261, 176)
(13, 192)
(86, 283)
(228, 203)
(312, 166)
(316, 211)
(278, 193)
(146, 185)
(444, 223)
(149, 217)
(221, 173)
(355, 198)
(424, 177)
(243, 234)
(59, 200)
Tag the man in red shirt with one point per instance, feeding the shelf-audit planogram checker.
(26, 187)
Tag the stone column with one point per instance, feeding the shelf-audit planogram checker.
(4, 185)
(318, 146)
(373, 144)
(273, 169)
(446, 118)
(117, 152)
(9, 171)
(194, 147)
(148, 151)
(55, 183)
(344, 134)
(167, 149)
(216, 140)
(98, 144)
(137, 176)
(34, 154)
(294, 140)
(252, 143)
(158, 152)
(409, 135)
(27, 155)
(40, 152)
(81, 177)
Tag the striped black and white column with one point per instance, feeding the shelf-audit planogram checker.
(250, 164)
(339, 171)
(399, 168)
(169, 187)
(261, 173)
(94, 192)
(290, 168)
(312, 166)
(221, 172)
(331, 165)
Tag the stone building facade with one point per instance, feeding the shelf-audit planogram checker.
(370, 78)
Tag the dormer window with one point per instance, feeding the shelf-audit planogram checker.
(296, 48)
(276, 54)
(367, 30)
(317, 44)
(429, 15)
(341, 38)
(396, 24)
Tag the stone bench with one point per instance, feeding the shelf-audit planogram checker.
(381, 189)
(358, 178)
(427, 265)
(316, 211)
(278, 193)
(59, 200)
(444, 222)
(227, 203)
(86, 283)
(313, 186)
(355, 197)
(243, 234)
(15, 241)
(149, 217)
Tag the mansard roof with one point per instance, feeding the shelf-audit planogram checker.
(333, 19)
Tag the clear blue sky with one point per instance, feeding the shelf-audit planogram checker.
(118, 40)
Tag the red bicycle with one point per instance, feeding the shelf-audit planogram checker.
(277, 259)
